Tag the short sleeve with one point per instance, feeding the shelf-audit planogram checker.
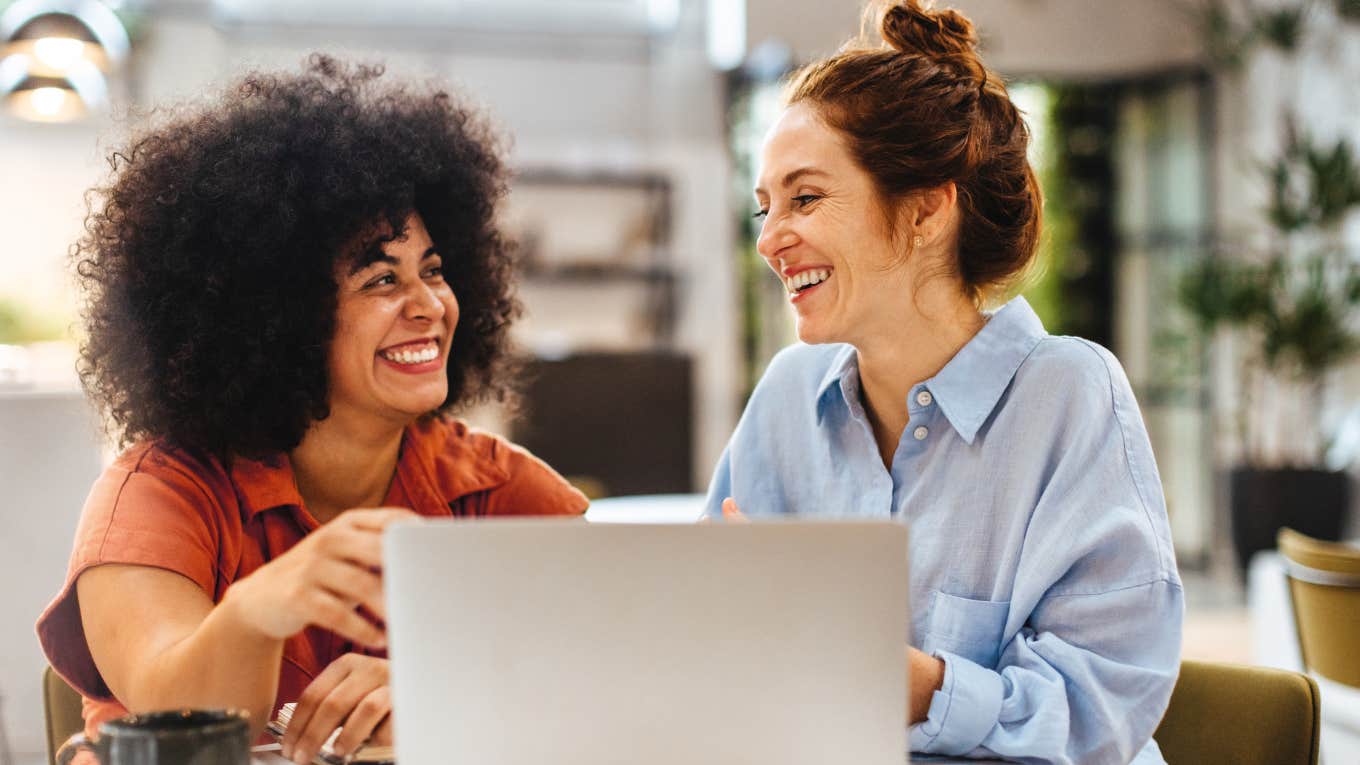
(141, 511)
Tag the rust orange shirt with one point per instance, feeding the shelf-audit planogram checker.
(215, 523)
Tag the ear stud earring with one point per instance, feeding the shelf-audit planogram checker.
(918, 240)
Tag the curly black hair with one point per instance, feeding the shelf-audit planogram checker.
(208, 261)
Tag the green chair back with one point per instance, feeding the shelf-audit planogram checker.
(1223, 714)
(1324, 583)
(62, 712)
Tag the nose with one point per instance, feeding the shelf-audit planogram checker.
(422, 304)
(775, 236)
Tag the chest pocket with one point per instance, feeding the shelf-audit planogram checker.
(969, 628)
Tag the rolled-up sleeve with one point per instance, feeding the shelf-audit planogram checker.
(1087, 682)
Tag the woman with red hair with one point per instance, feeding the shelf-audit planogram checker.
(898, 206)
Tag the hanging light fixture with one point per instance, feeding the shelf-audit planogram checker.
(55, 56)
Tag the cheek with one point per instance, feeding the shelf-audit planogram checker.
(342, 350)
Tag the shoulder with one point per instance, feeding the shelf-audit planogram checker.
(805, 362)
(1071, 362)
(799, 370)
(470, 460)
(161, 459)
(1076, 376)
(152, 477)
(783, 411)
(453, 441)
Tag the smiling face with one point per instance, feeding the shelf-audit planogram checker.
(394, 329)
(824, 233)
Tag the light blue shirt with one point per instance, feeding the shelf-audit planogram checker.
(1042, 571)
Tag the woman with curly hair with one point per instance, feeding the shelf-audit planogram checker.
(898, 203)
(288, 290)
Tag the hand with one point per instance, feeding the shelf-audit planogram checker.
(353, 690)
(321, 581)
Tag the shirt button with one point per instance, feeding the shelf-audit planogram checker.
(924, 398)
(921, 433)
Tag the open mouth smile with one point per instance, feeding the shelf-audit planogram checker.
(418, 356)
(804, 282)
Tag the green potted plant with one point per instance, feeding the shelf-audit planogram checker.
(1290, 308)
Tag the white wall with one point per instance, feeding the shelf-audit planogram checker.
(49, 457)
(42, 172)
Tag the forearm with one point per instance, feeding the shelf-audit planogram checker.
(223, 663)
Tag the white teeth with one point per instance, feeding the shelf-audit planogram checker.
(426, 354)
(806, 278)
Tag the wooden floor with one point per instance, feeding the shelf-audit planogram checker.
(1218, 635)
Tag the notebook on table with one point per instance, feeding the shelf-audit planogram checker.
(364, 755)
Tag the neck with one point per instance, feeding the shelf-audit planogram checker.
(915, 347)
(342, 464)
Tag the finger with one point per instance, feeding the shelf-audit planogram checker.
(333, 612)
(368, 714)
(359, 545)
(354, 584)
(312, 696)
(376, 519)
(730, 511)
(329, 715)
(384, 735)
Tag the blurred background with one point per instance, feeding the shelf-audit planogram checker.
(1198, 159)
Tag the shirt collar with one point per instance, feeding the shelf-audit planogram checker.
(264, 484)
(843, 376)
(972, 383)
(969, 387)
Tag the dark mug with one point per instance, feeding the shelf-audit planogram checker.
(187, 737)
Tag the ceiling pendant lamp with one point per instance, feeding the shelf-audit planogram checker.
(55, 56)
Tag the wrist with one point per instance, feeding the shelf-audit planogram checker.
(926, 677)
(237, 614)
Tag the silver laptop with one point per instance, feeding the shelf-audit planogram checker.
(524, 642)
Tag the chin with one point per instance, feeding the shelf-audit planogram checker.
(810, 333)
(424, 406)
(415, 406)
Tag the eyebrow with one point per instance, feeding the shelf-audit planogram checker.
(794, 175)
(376, 255)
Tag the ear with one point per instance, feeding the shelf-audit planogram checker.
(932, 212)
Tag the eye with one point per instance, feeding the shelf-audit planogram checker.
(381, 281)
(761, 214)
(803, 200)
(433, 272)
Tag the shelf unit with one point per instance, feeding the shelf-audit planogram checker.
(600, 228)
